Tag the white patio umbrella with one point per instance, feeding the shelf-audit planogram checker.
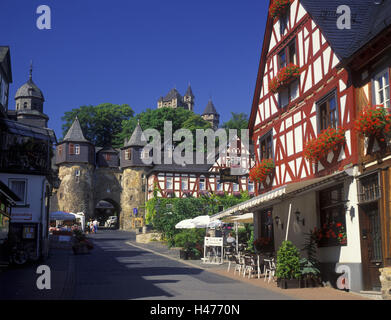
(245, 218)
(215, 224)
(201, 221)
(185, 224)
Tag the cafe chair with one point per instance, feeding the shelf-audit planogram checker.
(270, 269)
(239, 263)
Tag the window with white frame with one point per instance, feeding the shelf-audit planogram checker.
(77, 149)
(235, 187)
(169, 183)
(382, 88)
(251, 187)
(19, 187)
(184, 184)
(202, 184)
(219, 185)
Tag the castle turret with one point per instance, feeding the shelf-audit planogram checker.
(29, 104)
(210, 114)
(75, 158)
(133, 195)
(188, 98)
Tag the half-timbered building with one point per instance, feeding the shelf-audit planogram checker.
(305, 88)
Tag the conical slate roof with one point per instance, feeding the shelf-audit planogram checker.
(210, 108)
(173, 94)
(75, 133)
(189, 92)
(137, 139)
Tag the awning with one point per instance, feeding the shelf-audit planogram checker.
(62, 216)
(279, 194)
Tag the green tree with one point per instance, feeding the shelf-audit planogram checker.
(238, 121)
(101, 124)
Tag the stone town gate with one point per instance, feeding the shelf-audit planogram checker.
(83, 186)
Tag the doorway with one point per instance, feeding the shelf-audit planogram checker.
(104, 211)
(371, 246)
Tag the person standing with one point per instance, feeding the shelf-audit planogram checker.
(95, 223)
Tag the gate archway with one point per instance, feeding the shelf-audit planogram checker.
(106, 208)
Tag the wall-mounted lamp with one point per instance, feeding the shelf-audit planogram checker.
(297, 213)
(278, 222)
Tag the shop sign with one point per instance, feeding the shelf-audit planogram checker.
(21, 217)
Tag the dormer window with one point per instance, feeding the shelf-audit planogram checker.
(77, 149)
(128, 154)
(107, 156)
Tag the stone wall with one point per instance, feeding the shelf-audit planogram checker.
(385, 279)
(75, 193)
(132, 197)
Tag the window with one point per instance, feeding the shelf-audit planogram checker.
(25, 105)
(266, 146)
(251, 187)
(235, 187)
(332, 217)
(288, 55)
(60, 150)
(328, 113)
(128, 154)
(169, 183)
(107, 156)
(284, 22)
(71, 148)
(202, 184)
(219, 185)
(77, 149)
(184, 184)
(18, 186)
(369, 189)
(382, 88)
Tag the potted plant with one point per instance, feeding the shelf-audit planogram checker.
(288, 266)
(310, 273)
(260, 171)
(189, 241)
(328, 140)
(279, 7)
(284, 77)
(80, 244)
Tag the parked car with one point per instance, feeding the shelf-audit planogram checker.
(111, 221)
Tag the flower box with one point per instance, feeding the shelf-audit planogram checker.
(260, 171)
(284, 77)
(328, 140)
(309, 283)
(279, 7)
(374, 121)
(288, 283)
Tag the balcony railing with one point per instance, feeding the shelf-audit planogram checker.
(24, 161)
(369, 194)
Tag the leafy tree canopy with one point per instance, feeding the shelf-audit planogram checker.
(154, 119)
(101, 124)
(238, 121)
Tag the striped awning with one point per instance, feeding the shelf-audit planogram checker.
(277, 195)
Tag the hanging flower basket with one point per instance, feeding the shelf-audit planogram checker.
(284, 77)
(262, 170)
(374, 121)
(279, 7)
(327, 141)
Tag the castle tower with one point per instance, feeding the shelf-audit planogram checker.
(188, 98)
(210, 114)
(75, 158)
(29, 104)
(134, 181)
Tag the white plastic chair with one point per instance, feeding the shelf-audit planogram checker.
(239, 264)
(270, 269)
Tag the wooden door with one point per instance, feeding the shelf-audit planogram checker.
(371, 246)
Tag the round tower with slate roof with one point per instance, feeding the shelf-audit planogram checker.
(75, 158)
(210, 114)
(188, 98)
(29, 104)
(134, 182)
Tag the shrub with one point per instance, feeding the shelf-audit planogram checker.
(288, 261)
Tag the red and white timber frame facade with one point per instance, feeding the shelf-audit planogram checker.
(292, 123)
(199, 180)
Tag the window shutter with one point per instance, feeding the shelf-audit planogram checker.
(71, 148)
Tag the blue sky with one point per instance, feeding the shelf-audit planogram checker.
(133, 52)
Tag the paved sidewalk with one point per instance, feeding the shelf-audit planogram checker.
(323, 293)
